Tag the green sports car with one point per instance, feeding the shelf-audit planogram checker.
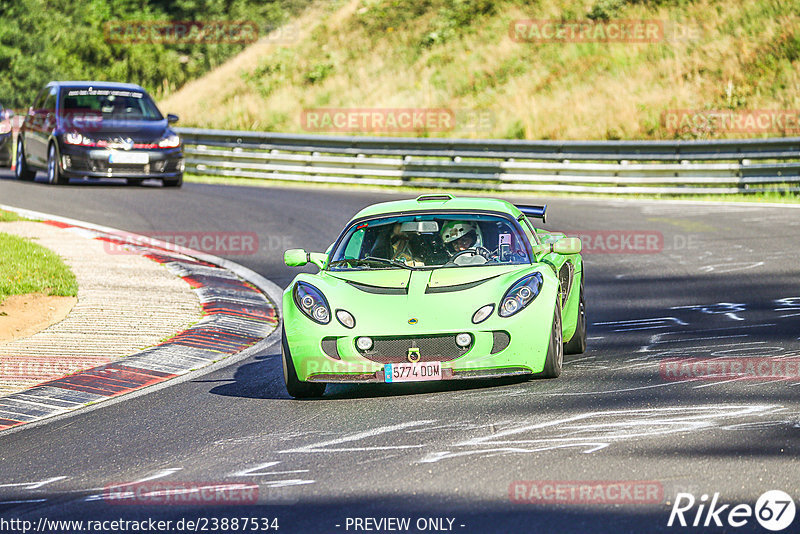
(435, 288)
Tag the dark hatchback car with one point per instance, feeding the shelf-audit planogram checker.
(98, 130)
(6, 136)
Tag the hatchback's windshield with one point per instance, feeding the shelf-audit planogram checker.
(430, 240)
(109, 104)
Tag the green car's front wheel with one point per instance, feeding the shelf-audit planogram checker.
(577, 345)
(555, 349)
(296, 388)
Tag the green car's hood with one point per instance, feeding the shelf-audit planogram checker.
(383, 301)
(386, 278)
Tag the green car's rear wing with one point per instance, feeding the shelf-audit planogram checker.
(534, 211)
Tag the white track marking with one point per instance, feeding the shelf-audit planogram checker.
(323, 446)
(596, 431)
(32, 485)
(788, 304)
(257, 471)
(254, 471)
(643, 324)
(729, 309)
(716, 383)
(158, 474)
(656, 338)
(287, 483)
(721, 268)
(707, 338)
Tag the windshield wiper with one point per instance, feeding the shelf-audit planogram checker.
(370, 260)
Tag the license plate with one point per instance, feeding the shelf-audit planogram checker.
(412, 372)
(129, 157)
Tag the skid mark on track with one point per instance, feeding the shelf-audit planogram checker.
(587, 432)
(592, 432)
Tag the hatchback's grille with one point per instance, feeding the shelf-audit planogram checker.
(437, 348)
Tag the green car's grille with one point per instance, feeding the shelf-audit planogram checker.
(329, 347)
(437, 348)
(500, 341)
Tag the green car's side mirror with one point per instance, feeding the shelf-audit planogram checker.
(297, 257)
(567, 245)
(318, 258)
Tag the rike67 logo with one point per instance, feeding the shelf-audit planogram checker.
(774, 510)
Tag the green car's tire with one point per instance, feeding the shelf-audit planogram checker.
(577, 345)
(555, 350)
(295, 387)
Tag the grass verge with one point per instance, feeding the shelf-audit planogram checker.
(26, 267)
(10, 216)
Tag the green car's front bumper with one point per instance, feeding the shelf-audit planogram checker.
(499, 346)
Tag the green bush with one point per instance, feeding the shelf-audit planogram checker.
(42, 40)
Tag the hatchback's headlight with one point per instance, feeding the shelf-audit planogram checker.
(171, 141)
(312, 303)
(521, 294)
(73, 138)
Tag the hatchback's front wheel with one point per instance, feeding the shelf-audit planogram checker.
(54, 174)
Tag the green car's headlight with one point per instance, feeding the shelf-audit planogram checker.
(482, 314)
(346, 318)
(521, 294)
(312, 303)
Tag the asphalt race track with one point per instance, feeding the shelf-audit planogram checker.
(721, 282)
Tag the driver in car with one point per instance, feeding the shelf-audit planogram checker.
(459, 236)
(402, 249)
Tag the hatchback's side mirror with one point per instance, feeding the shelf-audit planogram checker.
(172, 118)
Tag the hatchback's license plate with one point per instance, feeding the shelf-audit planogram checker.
(129, 157)
(412, 372)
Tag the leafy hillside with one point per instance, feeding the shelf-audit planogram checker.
(461, 55)
(43, 40)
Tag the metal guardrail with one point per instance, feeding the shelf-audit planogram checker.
(659, 167)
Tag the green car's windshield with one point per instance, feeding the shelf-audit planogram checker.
(430, 241)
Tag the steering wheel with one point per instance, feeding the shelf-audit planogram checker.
(475, 251)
